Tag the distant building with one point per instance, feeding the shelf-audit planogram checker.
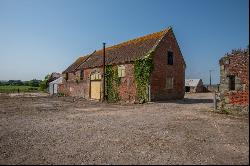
(54, 76)
(234, 77)
(194, 85)
(54, 85)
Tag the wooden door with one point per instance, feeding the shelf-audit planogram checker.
(95, 90)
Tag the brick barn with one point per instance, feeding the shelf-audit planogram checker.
(84, 78)
(234, 77)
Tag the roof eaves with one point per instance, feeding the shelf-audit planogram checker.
(178, 47)
(165, 31)
(87, 57)
(157, 43)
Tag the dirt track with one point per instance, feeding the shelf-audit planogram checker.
(45, 130)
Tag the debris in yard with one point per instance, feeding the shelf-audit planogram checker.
(55, 130)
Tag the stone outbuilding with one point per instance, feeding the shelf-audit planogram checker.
(194, 85)
(147, 68)
(234, 77)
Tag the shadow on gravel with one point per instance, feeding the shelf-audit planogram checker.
(188, 101)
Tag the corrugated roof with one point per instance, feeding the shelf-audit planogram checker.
(57, 81)
(125, 52)
(192, 82)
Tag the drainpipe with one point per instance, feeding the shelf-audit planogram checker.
(103, 97)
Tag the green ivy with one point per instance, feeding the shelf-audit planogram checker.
(142, 71)
(112, 83)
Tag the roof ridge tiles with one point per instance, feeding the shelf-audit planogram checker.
(137, 39)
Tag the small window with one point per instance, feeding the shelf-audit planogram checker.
(170, 58)
(169, 83)
(95, 76)
(81, 75)
(92, 76)
(227, 61)
(67, 76)
(98, 76)
(231, 82)
(121, 71)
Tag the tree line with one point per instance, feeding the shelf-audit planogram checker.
(33, 83)
(42, 84)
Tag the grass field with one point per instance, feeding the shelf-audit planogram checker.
(14, 89)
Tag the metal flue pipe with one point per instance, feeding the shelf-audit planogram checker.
(103, 96)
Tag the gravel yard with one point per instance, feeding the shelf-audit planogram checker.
(37, 129)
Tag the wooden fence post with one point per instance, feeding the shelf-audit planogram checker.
(215, 102)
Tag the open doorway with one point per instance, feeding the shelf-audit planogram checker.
(231, 82)
(187, 88)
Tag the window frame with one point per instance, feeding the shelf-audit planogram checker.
(121, 71)
(170, 54)
(67, 76)
(81, 74)
(168, 83)
(95, 76)
(231, 82)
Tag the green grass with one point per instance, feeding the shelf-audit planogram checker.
(224, 111)
(14, 89)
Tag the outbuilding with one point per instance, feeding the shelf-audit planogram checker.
(53, 86)
(194, 85)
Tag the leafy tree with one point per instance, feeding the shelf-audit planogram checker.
(34, 83)
(45, 83)
(15, 82)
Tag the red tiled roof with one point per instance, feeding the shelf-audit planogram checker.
(125, 52)
(73, 66)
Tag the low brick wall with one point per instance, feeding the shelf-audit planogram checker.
(237, 98)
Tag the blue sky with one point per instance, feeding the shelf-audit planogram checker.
(43, 36)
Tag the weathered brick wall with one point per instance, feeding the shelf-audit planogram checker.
(60, 88)
(127, 90)
(163, 70)
(237, 97)
(73, 88)
(237, 65)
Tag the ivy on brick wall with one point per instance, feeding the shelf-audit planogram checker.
(112, 83)
(142, 71)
